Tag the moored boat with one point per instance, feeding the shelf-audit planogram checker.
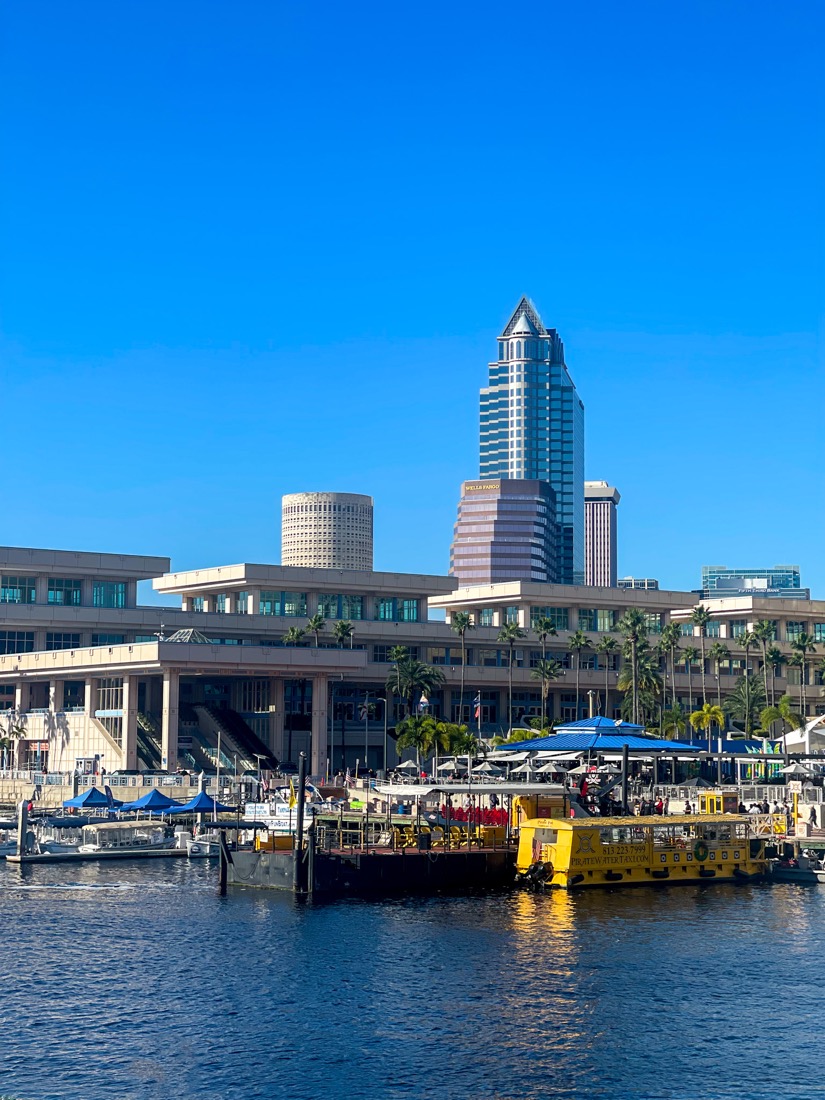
(632, 851)
(122, 839)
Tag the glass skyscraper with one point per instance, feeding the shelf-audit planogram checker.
(532, 426)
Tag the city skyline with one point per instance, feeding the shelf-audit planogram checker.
(192, 327)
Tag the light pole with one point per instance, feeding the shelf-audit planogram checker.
(259, 756)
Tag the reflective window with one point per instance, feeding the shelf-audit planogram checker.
(64, 591)
(197, 603)
(242, 603)
(16, 641)
(558, 616)
(793, 630)
(220, 603)
(109, 594)
(108, 639)
(17, 589)
(283, 603)
(59, 640)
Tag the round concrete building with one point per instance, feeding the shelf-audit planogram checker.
(327, 530)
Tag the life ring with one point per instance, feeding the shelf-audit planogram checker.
(700, 851)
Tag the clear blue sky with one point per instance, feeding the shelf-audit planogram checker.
(256, 248)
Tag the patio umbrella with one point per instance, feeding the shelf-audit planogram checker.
(524, 769)
(449, 766)
(486, 768)
(796, 769)
(407, 764)
(548, 768)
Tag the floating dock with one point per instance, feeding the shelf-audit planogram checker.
(364, 871)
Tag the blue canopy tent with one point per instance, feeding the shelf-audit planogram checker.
(202, 804)
(93, 799)
(155, 801)
(599, 735)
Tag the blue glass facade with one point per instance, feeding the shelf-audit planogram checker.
(781, 581)
(532, 426)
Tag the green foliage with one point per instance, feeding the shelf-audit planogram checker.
(343, 632)
(293, 636)
(746, 701)
(315, 625)
(412, 678)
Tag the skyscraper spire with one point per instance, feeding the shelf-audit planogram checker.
(532, 426)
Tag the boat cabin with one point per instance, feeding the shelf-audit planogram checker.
(639, 851)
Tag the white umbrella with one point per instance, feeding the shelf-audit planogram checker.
(523, 769)
(795, 769)
(407, 764)
(449, 766)
(546, 769)
(486, 768)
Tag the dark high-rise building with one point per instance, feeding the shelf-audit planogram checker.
(506, 531)
(532, 427)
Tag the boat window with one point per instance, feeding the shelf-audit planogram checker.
(623, 834)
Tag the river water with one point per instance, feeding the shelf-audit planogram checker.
(137, 980)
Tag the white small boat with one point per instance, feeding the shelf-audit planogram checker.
(113, 839)
(205, 846)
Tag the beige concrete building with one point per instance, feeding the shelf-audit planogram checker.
(600, 534)
(327, 530)
(88, 677)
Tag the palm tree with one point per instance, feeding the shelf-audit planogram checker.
(544, 628)
(293, 636)
(633, 625)
(415, 732)
(718, 653)
(315, 625)
(784, 712)
(802, 646)
(648, 682)
(673, 723)
(510, 633)
(700, 617)
(343, 632)
(775, 658)
(396, 655)
(691, 656)
(411, 678)
(577, 643)
(461, 622)
(604, 648)
(745, 701)
(747, 641)
(671, 636)
(764, 632)
(546, 671)
(708, 716)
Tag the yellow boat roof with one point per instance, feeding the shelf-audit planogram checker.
(637, 822)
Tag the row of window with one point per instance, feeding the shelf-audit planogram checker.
(62, 591)
(330, 606)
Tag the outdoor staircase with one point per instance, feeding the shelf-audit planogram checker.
(237, 737)
(148, 742)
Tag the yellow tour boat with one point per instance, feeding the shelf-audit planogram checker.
(639, 851)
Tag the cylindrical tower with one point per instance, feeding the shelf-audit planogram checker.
(327, 530)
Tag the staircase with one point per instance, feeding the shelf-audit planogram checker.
(148, 742)
(236, 737)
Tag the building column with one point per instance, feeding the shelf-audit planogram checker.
(129, 723)
(276, 717)
(56, 696)
(253, 603)
(169, 718)
(320, 734)
(22, 696)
